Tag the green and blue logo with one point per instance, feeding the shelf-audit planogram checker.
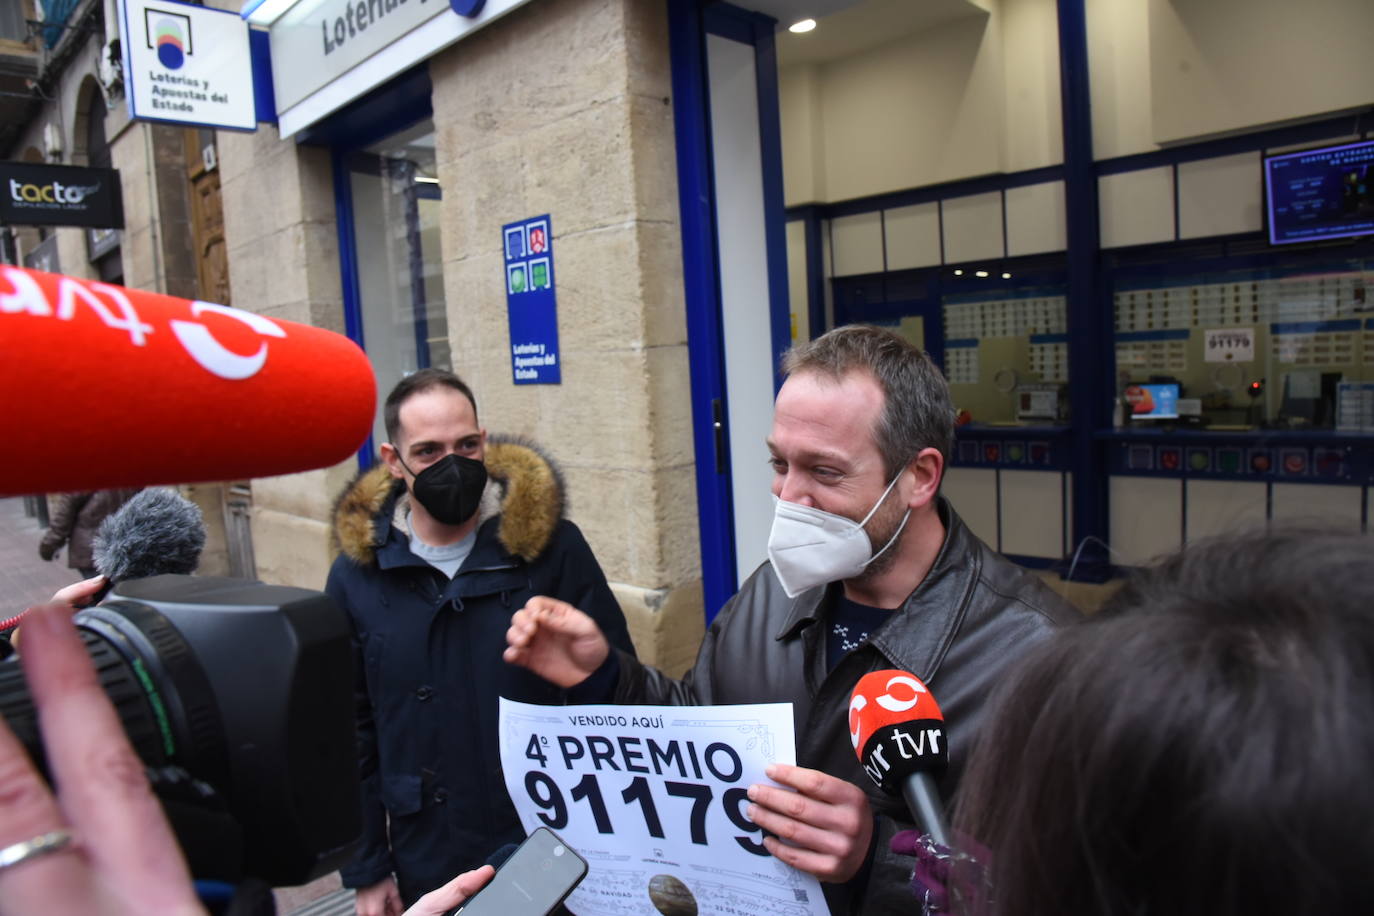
(169, 34)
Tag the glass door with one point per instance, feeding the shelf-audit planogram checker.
(396, 200)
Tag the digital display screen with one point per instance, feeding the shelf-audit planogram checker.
(1320, 193)
(1153, 402)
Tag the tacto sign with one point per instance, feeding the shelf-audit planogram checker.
(33, 194)
(55, 193)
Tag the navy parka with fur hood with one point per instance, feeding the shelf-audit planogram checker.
(430, 666)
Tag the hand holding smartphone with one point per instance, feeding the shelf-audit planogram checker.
(536, 878)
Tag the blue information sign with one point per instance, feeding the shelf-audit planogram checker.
(530, 301)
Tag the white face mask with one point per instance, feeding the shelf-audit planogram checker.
(809, 547)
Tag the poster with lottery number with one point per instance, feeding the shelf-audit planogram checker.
(654, 798)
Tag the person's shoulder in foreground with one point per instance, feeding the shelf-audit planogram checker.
(1199, 746)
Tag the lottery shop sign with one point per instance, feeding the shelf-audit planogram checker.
(654, 798)
(531, 301)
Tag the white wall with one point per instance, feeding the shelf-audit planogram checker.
(912, 236)
(856, 243)
(803, 175)
(923, 109)
(1034, 135)
(1146, 518)
(967, 97)
(1220, 196)
(973, 492)
(1119, 77)
(1223, 65)
(956, 230)
(1164, 71)
(1036, 219)
(1223, 195)
(1136, 208)
(973, 227)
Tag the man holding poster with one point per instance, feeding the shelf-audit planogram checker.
(869, 568)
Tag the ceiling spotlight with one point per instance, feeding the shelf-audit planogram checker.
(980, 273)
(805, 25)
(958, 273)
(1006, 276)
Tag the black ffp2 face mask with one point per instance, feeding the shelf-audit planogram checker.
(451, 488)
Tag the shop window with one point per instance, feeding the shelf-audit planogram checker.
(1007, 354)
(998, 330)
(396, 203)
(1277, 346)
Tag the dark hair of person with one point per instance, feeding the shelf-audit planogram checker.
(1203, 745)
(917, 411)
(413, 384)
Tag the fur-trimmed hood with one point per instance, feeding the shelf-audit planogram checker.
(524, 487)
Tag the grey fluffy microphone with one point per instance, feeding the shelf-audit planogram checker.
(155, 533)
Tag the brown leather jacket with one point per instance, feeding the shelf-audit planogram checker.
(968, 621)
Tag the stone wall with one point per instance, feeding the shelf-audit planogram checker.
(284, 263)
(564, 107)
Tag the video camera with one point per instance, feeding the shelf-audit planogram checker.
(237, 697)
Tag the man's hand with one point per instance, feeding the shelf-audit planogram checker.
(47, 550)
(455, 893)
(79, 594)
(122, 858)
(76, 595)
(380, 899)
(823, 828)
(556, 641)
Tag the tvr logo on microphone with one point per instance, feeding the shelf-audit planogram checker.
(212, 354)
(896, 727)
(117, 312)
(898, 750)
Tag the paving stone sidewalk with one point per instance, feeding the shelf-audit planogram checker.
(25, 578)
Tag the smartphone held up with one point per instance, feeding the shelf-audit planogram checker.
(537, 877)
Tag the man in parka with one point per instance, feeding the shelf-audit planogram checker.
(869, 568)
(440, 544)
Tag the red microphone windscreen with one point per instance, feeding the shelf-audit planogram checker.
(888, 697)
(897, 728)
(111, 387)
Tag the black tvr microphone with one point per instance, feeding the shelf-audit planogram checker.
(898, 732)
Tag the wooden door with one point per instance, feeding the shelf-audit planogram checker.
(207, 217)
